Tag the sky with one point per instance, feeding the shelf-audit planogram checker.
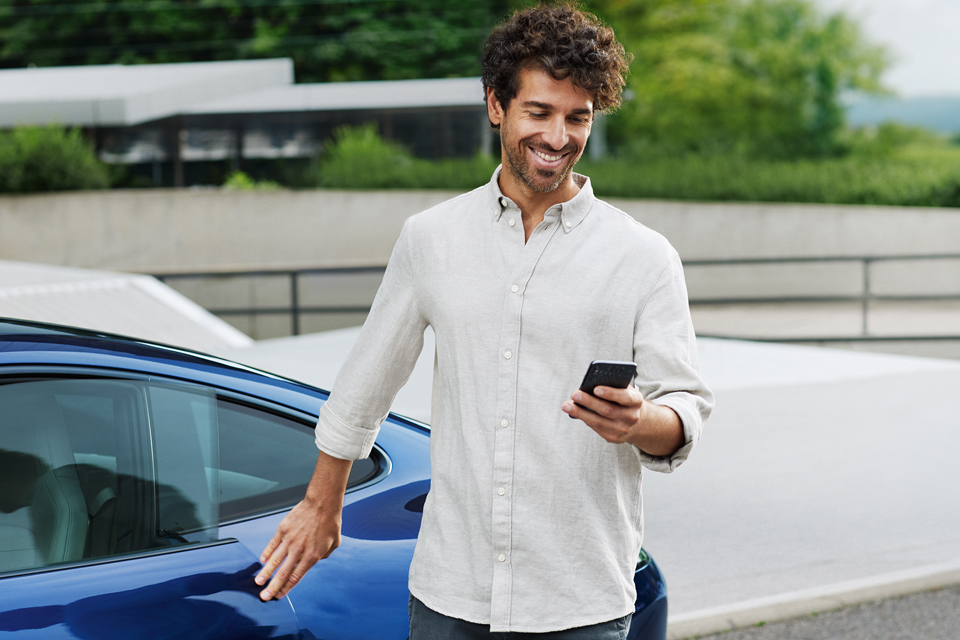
(923, 37)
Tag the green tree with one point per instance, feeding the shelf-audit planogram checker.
(49, 159)
(758, 77)
(327, 39)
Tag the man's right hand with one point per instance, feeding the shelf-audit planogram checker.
(309, 533)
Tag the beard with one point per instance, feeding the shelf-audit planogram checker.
(539, 179)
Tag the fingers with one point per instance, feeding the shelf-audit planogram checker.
(287, 576)
(609, 402)
(630, 396)
(292, 567)
(612, 415)
(270, 548)
(278, 556)
(270, 559)
(604, 426)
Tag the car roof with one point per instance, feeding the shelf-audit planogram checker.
(24, 342)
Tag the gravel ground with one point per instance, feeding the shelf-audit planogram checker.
(932, 615)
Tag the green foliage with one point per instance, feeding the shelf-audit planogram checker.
(358, 158)
(911, 173)
(240, 181)
(49, 159)
(755, 77)
(908, 176)
(889, 137)
(329, 40)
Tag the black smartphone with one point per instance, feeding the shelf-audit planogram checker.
(608, 373)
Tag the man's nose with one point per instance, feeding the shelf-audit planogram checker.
(555, 134)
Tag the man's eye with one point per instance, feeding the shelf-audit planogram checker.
(538, 114)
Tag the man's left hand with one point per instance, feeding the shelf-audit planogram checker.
(624, 415)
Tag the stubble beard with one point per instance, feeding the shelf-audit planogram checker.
(534, 178)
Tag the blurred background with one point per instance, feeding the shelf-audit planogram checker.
(842, 101)
(747, 128)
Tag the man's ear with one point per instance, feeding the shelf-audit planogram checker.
(494, 110)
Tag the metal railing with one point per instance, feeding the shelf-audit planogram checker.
(864, 297)
(295, 308)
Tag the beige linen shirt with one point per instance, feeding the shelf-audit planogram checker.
(533, 522)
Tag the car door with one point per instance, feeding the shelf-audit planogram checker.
(193, 592)
(109, 515)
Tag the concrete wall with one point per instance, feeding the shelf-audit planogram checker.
(177, 231)
(197, 230)
(703, 231)
(167, 230)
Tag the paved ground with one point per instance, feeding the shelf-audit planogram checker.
(923, 616)
(798, 486)
(819, 469)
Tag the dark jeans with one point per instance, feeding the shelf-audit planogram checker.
(427, 624)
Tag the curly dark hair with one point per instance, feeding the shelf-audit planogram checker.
(567, 43)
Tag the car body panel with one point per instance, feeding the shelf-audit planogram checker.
(197, 592)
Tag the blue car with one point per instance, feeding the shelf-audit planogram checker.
(139, 483)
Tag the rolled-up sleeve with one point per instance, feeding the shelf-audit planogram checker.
(668, 366)
(380, 362)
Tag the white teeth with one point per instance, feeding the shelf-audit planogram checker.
(546, 157)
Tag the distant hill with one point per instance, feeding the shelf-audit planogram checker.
(937, 113)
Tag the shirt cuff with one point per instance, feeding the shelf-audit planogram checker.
(692, 423)
(340, 439)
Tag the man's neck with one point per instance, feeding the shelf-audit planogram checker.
(534, 204)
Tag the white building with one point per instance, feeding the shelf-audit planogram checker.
(178, 124)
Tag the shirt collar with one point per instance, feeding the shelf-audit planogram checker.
(571, 213)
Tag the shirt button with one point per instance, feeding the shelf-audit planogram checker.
(503, 202)
(568, 224)
(504, 423)
(507, 355)
(512, 222)
(501, 491)
(514, 288)
(502, 558)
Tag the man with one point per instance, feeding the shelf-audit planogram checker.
(533, 521)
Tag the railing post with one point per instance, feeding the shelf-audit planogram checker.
(294, 305)
(866, 295)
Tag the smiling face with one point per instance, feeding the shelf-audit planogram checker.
(543, 132)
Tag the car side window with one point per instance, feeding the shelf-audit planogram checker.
(81, 475)
(267, 459)
(98, 467)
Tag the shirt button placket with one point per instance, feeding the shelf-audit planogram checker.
(503, 458)
(515, 292)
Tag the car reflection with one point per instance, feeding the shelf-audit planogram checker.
(171, 609)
